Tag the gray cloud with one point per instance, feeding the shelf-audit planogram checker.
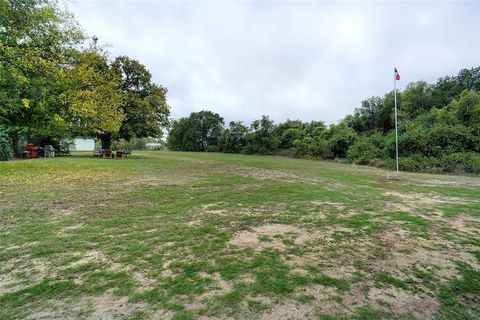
(311, 61)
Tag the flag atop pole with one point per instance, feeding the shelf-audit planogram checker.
(396, 77)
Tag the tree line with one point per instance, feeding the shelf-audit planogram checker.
(439, 130)
(53, 85)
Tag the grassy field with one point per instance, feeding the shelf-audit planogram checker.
(167, 235)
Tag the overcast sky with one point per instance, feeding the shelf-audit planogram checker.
(297, 60)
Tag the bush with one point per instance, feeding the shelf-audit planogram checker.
(415, 162)
(340, 138)
(367, 150)
(6, 151)
(212, 148)
(461, 162)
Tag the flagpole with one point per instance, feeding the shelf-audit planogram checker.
(396, 120)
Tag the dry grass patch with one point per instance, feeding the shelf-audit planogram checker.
(411, 202)
(270, 174)
(271, 236)
(402, 301)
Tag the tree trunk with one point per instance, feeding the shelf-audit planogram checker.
(106, 141)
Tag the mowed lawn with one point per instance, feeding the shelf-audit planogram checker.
(170, 235)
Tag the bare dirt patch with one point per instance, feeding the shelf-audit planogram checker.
(340, 271)
(270, 174)
(401, 301)
(435, 180)
(14, 279)
(335, 205)
(88, 257)
(410, 202)
(290, 310)
(106, 307)
(404, 251)
(66, 230)
(145, 282)
(220, 287)
(269, 236)
(463, 223)
(153, 181)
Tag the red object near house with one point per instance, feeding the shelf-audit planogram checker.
(32, 149)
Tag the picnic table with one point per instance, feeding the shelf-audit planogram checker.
(109, 154)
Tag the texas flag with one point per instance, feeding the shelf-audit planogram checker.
(397, 75)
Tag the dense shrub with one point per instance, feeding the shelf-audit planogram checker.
(234, 139)
(367, 150)
(461, 162)
(213, 148)
(262, 138)
(6, 151)
(415, 162)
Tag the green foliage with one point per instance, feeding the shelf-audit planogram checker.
(467, 107)
(416, 100)
(6, 151)
(288, 132)
(93, 100)
(310, 142)
(453, 163)
(339, 138)
(439, 130)
(375, 113)
(37, 40)
(53, 88)
(367, 150)
(234, 138)
(262, 138)
(199, 132)
(439, 127)
(145, 106)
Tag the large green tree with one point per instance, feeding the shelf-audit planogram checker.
(37, 40)
(262, 138)
(467, 108)
(92, 100)
(417, 98)
(201, 131)
(288, 132)
(145, 107)
(234, 138)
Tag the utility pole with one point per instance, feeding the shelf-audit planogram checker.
(95, 39)
(395, 78)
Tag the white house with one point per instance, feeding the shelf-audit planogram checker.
(84, 144)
